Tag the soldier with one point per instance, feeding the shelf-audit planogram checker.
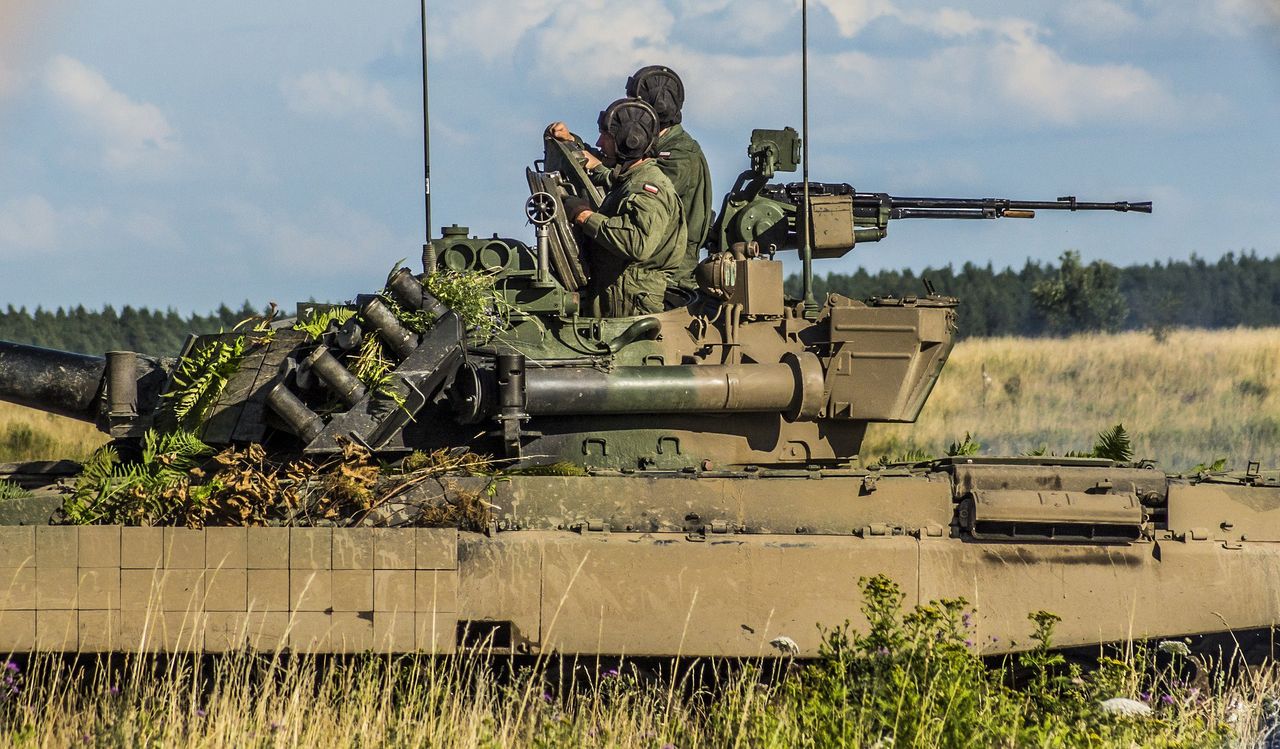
(638, 237)
(679, 156)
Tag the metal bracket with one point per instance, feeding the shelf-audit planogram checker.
(399, 417)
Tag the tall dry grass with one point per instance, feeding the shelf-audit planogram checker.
(919, 692)
(1194, 397)
(26, 434)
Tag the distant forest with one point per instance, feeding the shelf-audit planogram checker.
(130, 329)
(1236, 290)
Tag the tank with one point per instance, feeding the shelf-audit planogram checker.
(688, 483)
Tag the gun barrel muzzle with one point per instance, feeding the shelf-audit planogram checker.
(59, 382)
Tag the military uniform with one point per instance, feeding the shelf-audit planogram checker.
(680, 158)
(638, 240)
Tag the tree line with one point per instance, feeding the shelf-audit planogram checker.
(1070, 296)
(1038, 299)
(130, 329)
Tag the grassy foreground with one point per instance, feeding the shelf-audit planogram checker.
(911, 681)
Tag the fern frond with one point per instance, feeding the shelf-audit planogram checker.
(201, 377)
(965, 447)
(1114, 444)
(317, 321)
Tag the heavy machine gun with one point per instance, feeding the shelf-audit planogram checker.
(840, 216)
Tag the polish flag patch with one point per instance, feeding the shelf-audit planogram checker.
(652, 190)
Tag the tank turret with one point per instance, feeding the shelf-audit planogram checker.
(732, 376)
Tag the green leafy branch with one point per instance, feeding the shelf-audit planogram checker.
(317, 321)
(201, 377)
(150, 491)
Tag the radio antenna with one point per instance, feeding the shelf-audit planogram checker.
(806, 251)
(428, 250)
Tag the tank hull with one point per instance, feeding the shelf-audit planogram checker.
(660, 566)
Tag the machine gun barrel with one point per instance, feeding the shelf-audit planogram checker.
(870, 204)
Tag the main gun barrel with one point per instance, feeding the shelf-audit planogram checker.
(59, 382)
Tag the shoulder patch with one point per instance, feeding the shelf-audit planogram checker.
(664, 155)
(651, 189)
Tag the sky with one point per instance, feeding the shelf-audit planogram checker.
(179, 155)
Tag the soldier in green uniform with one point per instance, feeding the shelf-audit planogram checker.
(680, 158)
(638, 237)
(677, 153)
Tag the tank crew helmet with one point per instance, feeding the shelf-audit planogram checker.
(660, 88)
(633, 126)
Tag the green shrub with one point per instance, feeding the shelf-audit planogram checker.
(916, 679)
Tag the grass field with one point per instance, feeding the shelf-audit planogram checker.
(33, 435)
(1195, 397)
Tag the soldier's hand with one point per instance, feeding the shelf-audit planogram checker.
(574, 207)
(559, 131)
(591, 161)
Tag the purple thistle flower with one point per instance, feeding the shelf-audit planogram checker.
(611, 672)
(200, 712)
(966, 618)
(114, 691)
(546, 697)
(1166, 699)
(1145, 696)
(11, 666)
(968, 643)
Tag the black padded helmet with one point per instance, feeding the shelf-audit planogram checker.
(660, 88)
(634, 127)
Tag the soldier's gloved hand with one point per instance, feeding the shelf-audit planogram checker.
(559, 131)
(574, 207)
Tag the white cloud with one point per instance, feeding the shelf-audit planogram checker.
(31, 225)
(330, 93)
(1238, 16)
(993, 70)
(852, 16)
(1098, 18)
(134, 136)
(488, 31)
(595, 42)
